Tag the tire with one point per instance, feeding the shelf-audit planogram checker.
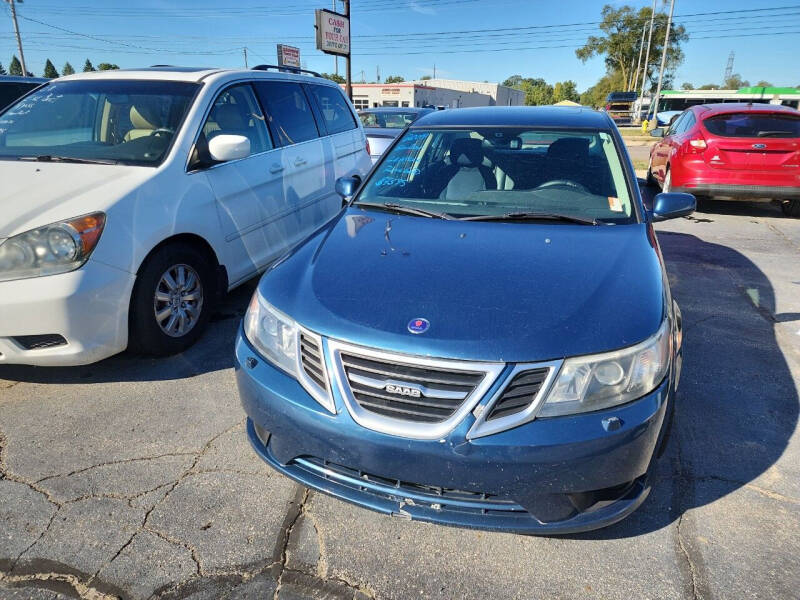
(791, 208)
(172, 300)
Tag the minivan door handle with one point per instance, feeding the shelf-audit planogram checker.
(299, 161)
(275, 168)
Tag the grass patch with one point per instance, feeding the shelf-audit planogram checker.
(640, 164)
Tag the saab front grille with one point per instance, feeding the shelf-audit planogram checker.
(40, 342)
(312, 361)
(519, 393)
(405, 392)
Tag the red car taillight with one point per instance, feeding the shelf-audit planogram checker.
(608, 107)
(368, 150)
(697, 144)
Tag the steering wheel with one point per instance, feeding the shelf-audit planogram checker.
(568, 183)
(161, 131)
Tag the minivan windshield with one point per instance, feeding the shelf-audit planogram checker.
(497, 172)
(104, 121)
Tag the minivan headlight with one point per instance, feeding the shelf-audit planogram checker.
(52, 249)
(272, 333)
(598, 381)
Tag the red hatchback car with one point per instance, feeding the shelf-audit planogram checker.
(731, 152)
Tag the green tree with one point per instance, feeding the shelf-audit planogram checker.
(734, 82)
(425, 78)
(50, 70)
(537, 92)
(687, 86)
(334, 77)
(709, 86)
(566, 90)
(67, 70)
(622, 29)
(87, 66)
(394, 79)
(596, 95)
(15, 68)
(515, 81)
(107, 67)
(2, 70)
(763, 83)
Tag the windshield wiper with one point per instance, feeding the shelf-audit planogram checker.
(68, 159)
(531, 216)
(407, 210)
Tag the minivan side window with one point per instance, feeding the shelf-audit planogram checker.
(288, 112)
(237, 112)
(336, 113)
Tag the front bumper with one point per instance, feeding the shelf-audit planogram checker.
(559, 475)
(87, 307)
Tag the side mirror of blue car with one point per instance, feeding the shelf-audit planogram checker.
(347, 186)
(671, 205)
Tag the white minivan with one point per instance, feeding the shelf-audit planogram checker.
(131, 200)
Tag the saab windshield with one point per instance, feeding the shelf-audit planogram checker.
(497, 171)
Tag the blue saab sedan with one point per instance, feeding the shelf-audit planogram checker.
(484, 336)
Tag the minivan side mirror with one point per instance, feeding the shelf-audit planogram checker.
(657, 132)
(671, 205)
(347, 186)
(226, 147)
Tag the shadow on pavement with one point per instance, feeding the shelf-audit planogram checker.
(737, 405)
(213, 352)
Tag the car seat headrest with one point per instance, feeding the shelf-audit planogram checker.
(466, 152)
(569, 148)
(229, 117)
(145, 116)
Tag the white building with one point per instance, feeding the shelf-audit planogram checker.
(500, 95)
(447, 93)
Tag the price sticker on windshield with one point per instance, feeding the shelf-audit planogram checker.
(614, 204)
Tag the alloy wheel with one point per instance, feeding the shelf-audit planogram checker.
(178, 300)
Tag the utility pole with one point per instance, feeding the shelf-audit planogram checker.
(629, 83)
(335, 56)
(245, 56)
(639, 62)
(647, 54)
(434, 70)
(663, 61)
(348, 59)
(19, 39)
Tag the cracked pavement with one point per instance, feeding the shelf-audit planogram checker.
(133, 478)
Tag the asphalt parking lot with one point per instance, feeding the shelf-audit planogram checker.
(133, 477)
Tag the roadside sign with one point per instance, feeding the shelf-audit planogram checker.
(288, 56)
(333, 32)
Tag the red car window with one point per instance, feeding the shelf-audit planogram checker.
(758, 125)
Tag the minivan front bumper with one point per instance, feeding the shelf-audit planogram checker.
(557, 475)
(72, 318)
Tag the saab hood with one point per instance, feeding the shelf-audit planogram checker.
(520, 291)
(33, 194)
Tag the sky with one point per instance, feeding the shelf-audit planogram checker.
(465, 39)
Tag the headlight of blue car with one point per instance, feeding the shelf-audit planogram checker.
(598, 381)
(277, 338)
(273, 334)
